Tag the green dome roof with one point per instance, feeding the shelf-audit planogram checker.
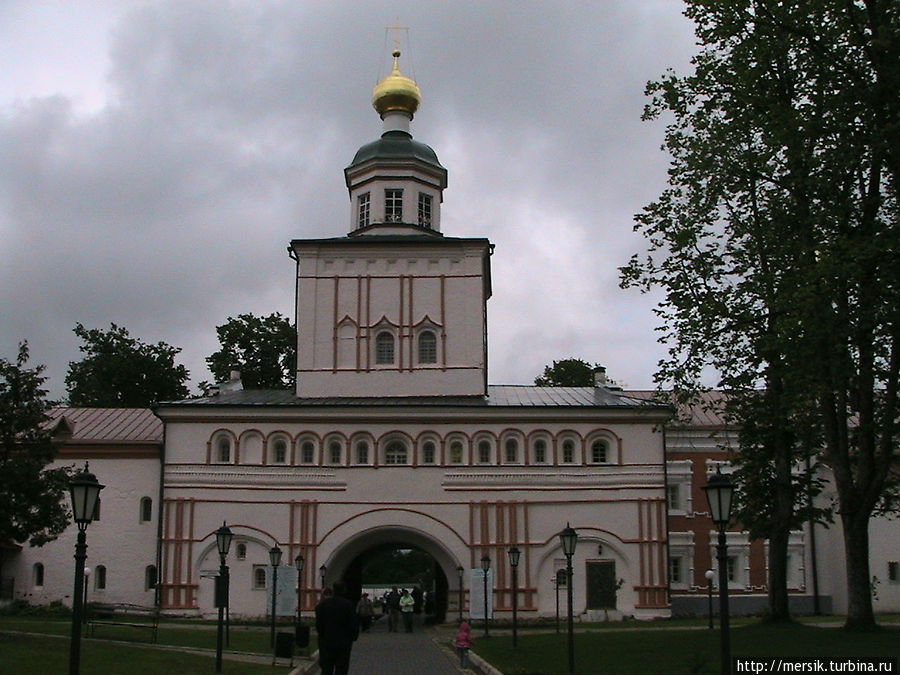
(396, 145)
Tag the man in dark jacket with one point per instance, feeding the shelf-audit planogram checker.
(337, 627)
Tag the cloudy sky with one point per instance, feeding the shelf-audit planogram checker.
(157, 157)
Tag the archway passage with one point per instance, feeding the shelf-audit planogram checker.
(387, 557)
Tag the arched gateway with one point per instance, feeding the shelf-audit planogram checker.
(394, 437)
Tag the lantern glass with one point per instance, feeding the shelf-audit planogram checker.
(322, 571)
(84, 490)
(719, 493)
(223, 539)
(486, 563)
(275, 556)
(514, 553)
(460, 571)
(298, 563)
(568, 538)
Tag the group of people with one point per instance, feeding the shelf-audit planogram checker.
(338, 624)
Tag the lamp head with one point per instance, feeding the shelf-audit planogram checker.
(719, 493)
(223, 539)
(275, 556)
(486, 562)
(298, 563)
(514, 554)
(568, 538)
(84, 490)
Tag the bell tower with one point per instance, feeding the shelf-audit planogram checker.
(394, 308)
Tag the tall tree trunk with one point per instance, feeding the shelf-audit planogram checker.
(860, 614)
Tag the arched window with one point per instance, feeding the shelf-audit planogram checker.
(146, 509)
(384, 348)
(334, 452)
(37, 574)
(362, 452)
(149, 577)
(484, 452)
(512, 451)
(600, 452)
(259, 577)
(427, 347)
(540, 451)
(280, 451)
(395, 453)
(100, 578)
(568, 451)
(428, 452)
(223, 449)
(456, 452)
(241, 551)
(307, 452)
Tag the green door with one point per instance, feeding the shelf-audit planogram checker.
(601, 585)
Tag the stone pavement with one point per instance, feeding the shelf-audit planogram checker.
(379, 652)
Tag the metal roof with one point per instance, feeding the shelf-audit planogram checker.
(106, 425)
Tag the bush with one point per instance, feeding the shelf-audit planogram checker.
(55, 609)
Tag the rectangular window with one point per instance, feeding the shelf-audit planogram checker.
(675, 571)
(673, 496)
(732, 568)
(424, 210)
(893, 571)
(363, 210)
(393, 205)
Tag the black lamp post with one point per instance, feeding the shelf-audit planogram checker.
(485, 568)
(84, 490)
(514, 554)
(275, 560)
(322, 572)
(719, 491)
(460, 571)
(223, 543)
(298, 563)
(709, 584)
(568, 538)
(87, 578)
(560, 574)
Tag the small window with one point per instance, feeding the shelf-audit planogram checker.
(732, 568)
(568, 452)
(223, 449)
(599, 452)
(484, 452)
(456, 452)
(393, 205)
(512, 451)
(334, 452)
(893, 572)
(307, 452)
(37, 573)
(149, 577)
(427, 347)
(146, 509)
(280, 451)
(424, 210)
(384, 348)
(675, 571)
(100, 578)
(363, 210)
(428, 453)
(259, 577)
(673, 497)
(241, 551)
(395, 453)
(540, 451)
(362, 452)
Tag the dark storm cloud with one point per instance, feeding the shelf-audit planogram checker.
(167, 206)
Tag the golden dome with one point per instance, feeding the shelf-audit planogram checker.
(396, 92)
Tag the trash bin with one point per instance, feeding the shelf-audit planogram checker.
(302, 635)
(284, 646)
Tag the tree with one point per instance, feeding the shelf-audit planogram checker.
(776, 242)
(31, 495)
(567, 373)
(264, 349)
(120, 371)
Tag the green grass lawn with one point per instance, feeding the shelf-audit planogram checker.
(676, 651)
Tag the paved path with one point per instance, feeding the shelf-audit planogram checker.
(379, 652)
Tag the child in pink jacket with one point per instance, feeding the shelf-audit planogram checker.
(463, 643)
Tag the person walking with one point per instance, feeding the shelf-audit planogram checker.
(464, 643)
(393, 605)
(338, 628)
(365, 611)
(407, 605)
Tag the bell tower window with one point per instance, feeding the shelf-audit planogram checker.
(427, 347)
(384, 348)
(393, 205)
(425, 210)
(363, 210)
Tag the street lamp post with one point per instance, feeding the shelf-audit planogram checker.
(460, 571)
(719, 493)
(223, 543)
(275, 560)
(709, 585)
(560, 574)
(485, 568)
(514, 554)
(84, 490)
(298, 563)
(568, 538)
(87, 578)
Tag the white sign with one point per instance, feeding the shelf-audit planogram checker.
(476, 594)
(285, 593)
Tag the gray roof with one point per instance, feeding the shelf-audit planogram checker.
(107, 425)
(396, 144)
(499, 396)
